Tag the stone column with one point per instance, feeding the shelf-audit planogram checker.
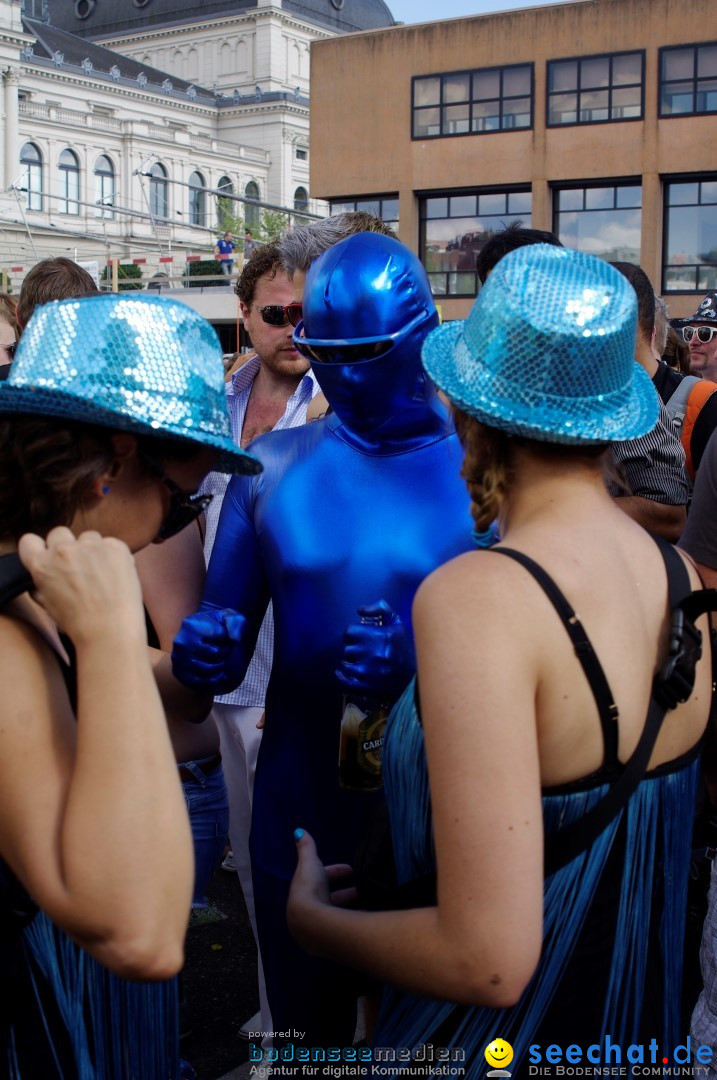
(12, 129)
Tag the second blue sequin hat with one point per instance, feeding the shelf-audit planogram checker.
(547, 351)
(146, 364)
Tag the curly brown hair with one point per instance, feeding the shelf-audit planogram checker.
(48, 469)
(264, 260)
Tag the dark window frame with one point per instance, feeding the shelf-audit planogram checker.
(159, 192)
(34, 190)
(252, 212)
(614, 182)
(578, 90)
(680, 178)
(104, 200)
(197, 202)
(694, 80)
(451, 193)
(384, 196)
(471, 101)
(69, 203)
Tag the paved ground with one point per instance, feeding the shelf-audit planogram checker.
(219, 986)
(220, 990)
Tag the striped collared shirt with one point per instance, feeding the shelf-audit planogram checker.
(253, 689)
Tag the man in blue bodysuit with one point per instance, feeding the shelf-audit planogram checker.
(349, 510)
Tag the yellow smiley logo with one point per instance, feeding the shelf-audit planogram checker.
(499, 1053)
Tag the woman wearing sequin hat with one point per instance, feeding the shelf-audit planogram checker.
(555, 833)
(112, 414)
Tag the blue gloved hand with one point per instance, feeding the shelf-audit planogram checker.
(203, 647)
(379, 657)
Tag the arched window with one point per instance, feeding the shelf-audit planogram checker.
(251, 213)
(225, 207)
(197, 200)
(69, 168)
(31, 162)
(104, 187)
(158, 192)
(301, 199)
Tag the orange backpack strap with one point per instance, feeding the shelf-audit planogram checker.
(700, 392)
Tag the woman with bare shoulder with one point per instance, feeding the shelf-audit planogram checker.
(541, 784)
(104, 437)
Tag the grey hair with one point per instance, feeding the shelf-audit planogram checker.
(662, 323)
(304, 243)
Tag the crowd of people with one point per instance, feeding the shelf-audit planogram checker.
(413, 615)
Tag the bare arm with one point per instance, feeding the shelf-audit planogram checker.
(172, 578)
(92, 819)
(481, 944)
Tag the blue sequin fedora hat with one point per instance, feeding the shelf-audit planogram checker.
(547, 351)
(148, 364)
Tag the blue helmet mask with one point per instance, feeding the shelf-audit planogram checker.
(367, 310)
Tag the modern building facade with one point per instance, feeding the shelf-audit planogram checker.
(595, 119)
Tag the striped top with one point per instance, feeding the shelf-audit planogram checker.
(253, 689)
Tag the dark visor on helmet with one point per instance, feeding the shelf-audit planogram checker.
(354, 350)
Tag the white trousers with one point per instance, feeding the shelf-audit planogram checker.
(240, 740)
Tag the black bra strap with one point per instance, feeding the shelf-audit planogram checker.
(575, 838)
(607, 709)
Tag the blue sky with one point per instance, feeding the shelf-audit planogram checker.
(411, 11)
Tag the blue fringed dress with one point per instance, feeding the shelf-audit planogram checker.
(610, 915)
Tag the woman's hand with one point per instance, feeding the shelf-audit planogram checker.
(315, 886)
(86, 583)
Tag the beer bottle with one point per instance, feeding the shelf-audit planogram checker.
(363, 726)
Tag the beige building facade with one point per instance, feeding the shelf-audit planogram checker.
(596, 120)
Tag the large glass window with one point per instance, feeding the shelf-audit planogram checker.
(603, 220)
(69, 168)
(690, 241)
(688, 79)
(252, 214)
(225, 206)
(31, 163)
(197, 199)
(158, 192)
(473, 102)
(454, 228)
(104, 187)
(381, 206)
(595, 89)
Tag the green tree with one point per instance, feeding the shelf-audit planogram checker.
(274, 223)
(129, 276)
(228, 220)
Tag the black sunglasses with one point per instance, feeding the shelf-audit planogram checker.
(183, 508)
(280, 315)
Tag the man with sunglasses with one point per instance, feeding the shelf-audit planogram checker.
(351, 514)
(700, 333)
(270, 391)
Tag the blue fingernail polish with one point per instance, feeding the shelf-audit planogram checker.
(298, 833)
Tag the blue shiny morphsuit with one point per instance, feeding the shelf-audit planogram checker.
(348, 511)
